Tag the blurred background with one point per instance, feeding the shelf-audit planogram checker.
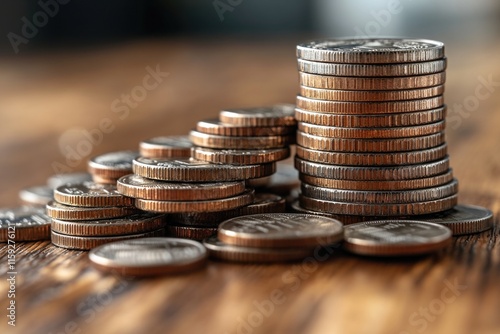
(79, 78)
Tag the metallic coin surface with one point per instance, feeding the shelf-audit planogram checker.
(241, 157)
(61, 179)
(344, 219)
(24, 224)
(136, 186)
(166, 147)
(216, 127)
(276, 115)
(91, 194)
(131, 224)
(104, 180)
(396, 238)
(112, 165)
(39, 195)
(371, 50)
(192, 170)
(190, 232)
(222, 251)
(149, 256)
(57, 210)
(280, 230)
(239, 143)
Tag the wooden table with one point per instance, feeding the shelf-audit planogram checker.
(47, 101)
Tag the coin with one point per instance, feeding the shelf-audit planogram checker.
(189, 232)
(380, 185)
(112, 165)
(373, 159)
(60, 211)
(280, 230)
(372, 173)
(241, 157)
(372, 121)
(462, 219)
(149, 256)
(196, 206)
(227, 142)
(371, 50)
(60, 179)
(91, 194)
(372, 133)
(40, 195)
(371, 95)
(219, 250)
(216, 127)
(139, 187)
(24, 224)
(372, 70)
(396, 238)
(369, 145)
(363, 209)
(276, 115)
(191, 170)
(166, 147)
(103, 180)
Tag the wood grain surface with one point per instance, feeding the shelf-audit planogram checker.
(48, 101)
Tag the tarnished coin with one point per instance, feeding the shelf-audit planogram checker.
(372, 70)
(131, 224)
(396, 238)
(190, 232)
(216, 127)
(373, 120)
(280, 230)
(24, 224)
(166, 147)
(139, 187)
(371, 50)
(363, 209)
(241, 157)
(276, 115)
(149, 256)
(219, 250)
(60, 211)
(91, 194)
(372, 173)
(40, 195)
(112, 165)
(196, 206)
(372, 159)
(462, 219)
(361, 83)
(192, 170)
(239, 143)
(60, 179)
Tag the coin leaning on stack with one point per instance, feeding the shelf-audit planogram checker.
(371, 120)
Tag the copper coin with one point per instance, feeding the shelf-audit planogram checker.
(247, 143)
(216, 127)
(104, 180)
(24, 224)
(91, 194)
(373, 159)
(361, 108)
(139, 187)
(61, 179)
(396, 238)
(196, 206)
(60, 211)
(191, 170)
(276, 115)
(87, 243)
(371, 50)
(166, 147)
(190, 232)
(39, 195)
(372, 173)
(373, 120)
(149, 256)
(222, 251)
(280, 230)
(241, 157)
(112, 165)
(363, 209)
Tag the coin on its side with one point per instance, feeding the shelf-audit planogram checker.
(166, 147)
(24, 224)
(39, 195)
(112, 165)
(216, 127)
(57, 210)
(280, 230)
(239, 143)
(241, 157)
(149, 256)
(276, 115)
(91, 194)
(396, 238)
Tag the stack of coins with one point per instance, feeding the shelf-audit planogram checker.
(109, 167)
(371, 119)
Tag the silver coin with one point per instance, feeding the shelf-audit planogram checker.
(61, 179)
(279, 114)
(121, 160)
(24, 224)
(40, 195)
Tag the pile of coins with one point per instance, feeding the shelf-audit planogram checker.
(371, 120)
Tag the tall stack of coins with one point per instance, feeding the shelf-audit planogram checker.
(371, 119)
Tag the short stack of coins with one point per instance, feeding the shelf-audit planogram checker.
(371, 119)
